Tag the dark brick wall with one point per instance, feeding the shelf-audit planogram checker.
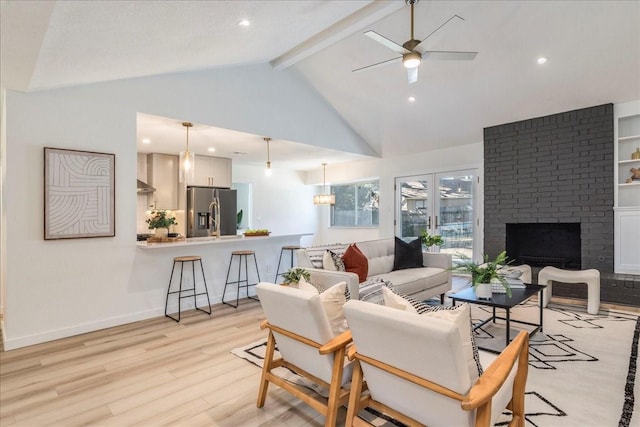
(557, 168)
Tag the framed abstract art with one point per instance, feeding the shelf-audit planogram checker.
(79, 194)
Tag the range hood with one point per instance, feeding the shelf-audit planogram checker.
(144, 188)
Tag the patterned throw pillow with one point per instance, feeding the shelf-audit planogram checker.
(332, 261)
(371, 290)
(459, 314)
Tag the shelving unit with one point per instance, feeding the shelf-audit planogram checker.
(627, 195)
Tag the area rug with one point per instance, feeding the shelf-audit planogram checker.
(582, 367)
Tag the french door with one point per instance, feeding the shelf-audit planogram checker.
(443, 204)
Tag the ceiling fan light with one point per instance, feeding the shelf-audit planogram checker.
(411, 59)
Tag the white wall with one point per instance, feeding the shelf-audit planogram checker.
(59, 288)
(447, 159)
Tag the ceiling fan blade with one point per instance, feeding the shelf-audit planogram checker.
(412, 74)
(446, 55)
(445, 23)
(379, 64)
(385, 41)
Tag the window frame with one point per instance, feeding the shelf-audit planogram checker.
(355, 186)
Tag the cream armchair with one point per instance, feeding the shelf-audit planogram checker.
(299, 327)
(416, 372)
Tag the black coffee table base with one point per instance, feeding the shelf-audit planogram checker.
(518, 296)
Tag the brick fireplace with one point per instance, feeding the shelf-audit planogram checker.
(557, 169)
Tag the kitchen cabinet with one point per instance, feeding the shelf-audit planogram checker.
(162, 174)
(627, 194)
(212, 172)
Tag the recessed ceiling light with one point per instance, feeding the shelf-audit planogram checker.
(244, 23)
(412, 99)
(211, 150)
(541, 60)
(146, 141)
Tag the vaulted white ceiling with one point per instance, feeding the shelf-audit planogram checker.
(593, 51)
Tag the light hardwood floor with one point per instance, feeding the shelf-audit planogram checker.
(150, 373)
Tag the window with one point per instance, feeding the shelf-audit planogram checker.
(356, 204)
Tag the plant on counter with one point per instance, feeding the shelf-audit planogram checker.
(431, 240)
(485, 272)
(293, 275)
(160, 219)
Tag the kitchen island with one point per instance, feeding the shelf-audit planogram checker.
(156, 260)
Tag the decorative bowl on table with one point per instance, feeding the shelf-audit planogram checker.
(254, 233)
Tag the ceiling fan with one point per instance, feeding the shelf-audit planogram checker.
(412, 55)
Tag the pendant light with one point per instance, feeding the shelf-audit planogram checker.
(187, 160)
(324, 199)
(268, 171)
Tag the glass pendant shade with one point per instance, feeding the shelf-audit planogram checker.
(187, 161)
(187, 166)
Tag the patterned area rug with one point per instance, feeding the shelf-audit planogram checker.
(582, 367)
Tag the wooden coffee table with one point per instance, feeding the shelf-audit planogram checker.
(518, 296)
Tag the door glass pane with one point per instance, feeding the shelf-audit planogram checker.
(455, 208)
(414, 206)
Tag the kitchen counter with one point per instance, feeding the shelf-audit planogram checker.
(192, 241)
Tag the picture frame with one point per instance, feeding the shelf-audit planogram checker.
(79, 194)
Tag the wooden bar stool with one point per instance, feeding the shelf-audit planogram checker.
(192, 291)
(241, 255)
(285, 248)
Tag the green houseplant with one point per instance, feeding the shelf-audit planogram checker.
(160, 219)
(293, 275)
(486, 272)
(431, 240)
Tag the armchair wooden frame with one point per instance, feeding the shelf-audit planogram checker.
(338, 395)
(478, 398)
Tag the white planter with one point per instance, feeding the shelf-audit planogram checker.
(483, 291)
(162, 232)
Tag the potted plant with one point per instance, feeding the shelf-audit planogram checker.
(293, 276)
(431, 241)
(482, 275)
(160, 221)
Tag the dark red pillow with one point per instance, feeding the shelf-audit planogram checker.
(356, 262)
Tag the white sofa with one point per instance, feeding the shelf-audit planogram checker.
(422, 283)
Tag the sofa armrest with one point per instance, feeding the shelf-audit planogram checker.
(430, 259)
(325, 279)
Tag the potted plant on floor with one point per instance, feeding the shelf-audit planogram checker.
(161, 221)
(293, 276)
(483, 275)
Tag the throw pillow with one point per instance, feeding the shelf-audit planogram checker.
(407, 255)
(332, 261)
(333, 300)
(356, 262)
(459, 314)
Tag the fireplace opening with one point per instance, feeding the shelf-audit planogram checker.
(545, 244)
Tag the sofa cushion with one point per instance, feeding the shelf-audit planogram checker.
(412, 280)
(407, 255)
(380, 255)
(356, 262)
(459, 314)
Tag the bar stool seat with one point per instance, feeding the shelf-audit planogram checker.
(191, 292)
(292, 249)
(240, 282)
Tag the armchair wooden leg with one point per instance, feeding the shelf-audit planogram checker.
(519, 384)
(354, 395)
(334, 389)
(266, 368)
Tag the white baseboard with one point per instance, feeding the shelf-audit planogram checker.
(13, 343)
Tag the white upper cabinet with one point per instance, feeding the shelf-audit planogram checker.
(212, 172)
(162, 174)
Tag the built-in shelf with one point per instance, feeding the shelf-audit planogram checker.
(624, 162)
(629, 184)
(628, 138)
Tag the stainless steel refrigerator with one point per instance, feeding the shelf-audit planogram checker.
(203, 205)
